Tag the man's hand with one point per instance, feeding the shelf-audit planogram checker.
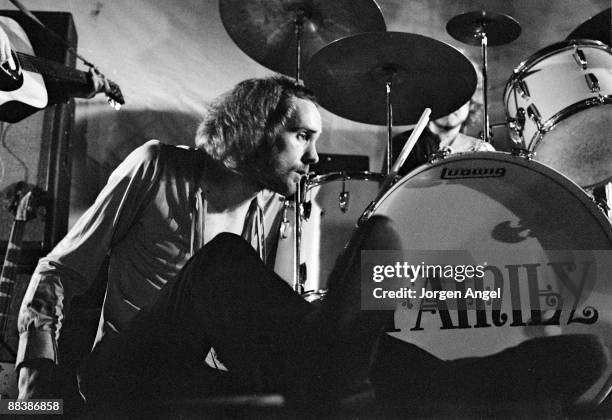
(36, 379)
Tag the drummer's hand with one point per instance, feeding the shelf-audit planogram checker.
(5, 50)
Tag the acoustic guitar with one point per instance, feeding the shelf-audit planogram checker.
(22, 88)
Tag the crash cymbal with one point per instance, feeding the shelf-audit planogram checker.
(597, 28)
(265, 29)
(468, 27)
(349, 77)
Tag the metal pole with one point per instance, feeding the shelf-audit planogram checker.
(485, 121)
(299, 24)
(297, 235)
(389, 127)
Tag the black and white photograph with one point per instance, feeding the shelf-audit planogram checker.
(306, 209)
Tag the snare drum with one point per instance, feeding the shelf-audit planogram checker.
(563, 93)
(334, 202)
(337, 200)
(493, 201)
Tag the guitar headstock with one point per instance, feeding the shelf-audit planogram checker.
(26, 203)
(113, 94)
(108, 87)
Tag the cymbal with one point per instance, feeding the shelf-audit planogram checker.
(265, 29)
(349, 77)
(468, 27)
(597, 28)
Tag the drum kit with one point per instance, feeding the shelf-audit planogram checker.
(558, 116)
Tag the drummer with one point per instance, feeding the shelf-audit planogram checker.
(446, 133)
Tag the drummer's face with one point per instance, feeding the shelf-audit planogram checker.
(455, 118)
(295, 148)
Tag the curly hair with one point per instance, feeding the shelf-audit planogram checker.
(241, 126)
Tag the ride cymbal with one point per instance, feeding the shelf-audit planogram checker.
(349, 77)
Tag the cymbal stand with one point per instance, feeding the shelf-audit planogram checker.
(485, 82)
(298, 22)
(298, 281)
(300, 190)
(389, 72)
(389, 125)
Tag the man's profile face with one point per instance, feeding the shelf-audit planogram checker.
(294, 148)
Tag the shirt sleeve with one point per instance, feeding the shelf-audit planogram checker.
(70, 268)
(483, 146)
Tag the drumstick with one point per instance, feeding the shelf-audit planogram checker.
(416, 133)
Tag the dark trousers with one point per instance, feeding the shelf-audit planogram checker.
(269, 337)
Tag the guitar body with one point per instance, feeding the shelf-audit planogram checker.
(22, 92)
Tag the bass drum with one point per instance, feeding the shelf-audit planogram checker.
(564, 93)
(497, 202)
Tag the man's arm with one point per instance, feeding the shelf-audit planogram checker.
(73, 264)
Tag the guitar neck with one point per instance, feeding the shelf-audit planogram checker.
(52, 69)
(9, 271)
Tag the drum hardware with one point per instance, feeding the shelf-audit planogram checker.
(306, 210)
(438, 155)
(484, 29)
(298, 22)
(516, 126)
(299, 275)
(602, 204)
(580, 59)
(367, 213)
(391, 71)
(534, 114)
(592, 82)
(343, 198)
(522, 153)
(285, 222)
(522, 89)
(284, 34)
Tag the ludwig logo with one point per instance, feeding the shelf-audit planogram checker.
(454, 173)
